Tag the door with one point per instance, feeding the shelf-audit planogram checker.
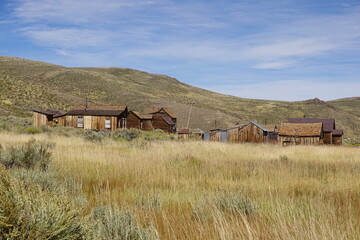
(87, 122)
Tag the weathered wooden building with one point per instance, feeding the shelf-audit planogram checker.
(139, 121)
(94, 117)
(41, 118)
(164, 119)
(273, 133)
(250, 132)
(331, 134)
(301, 133)
(183, 134)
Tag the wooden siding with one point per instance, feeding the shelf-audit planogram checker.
(289, 140)
(159, 123)
(147, 125)
(337, 140)
(249, 133)
(133, 121)
(328, 138)
(90, 122)
(42, 119)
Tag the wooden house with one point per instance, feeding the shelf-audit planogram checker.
(41, 118)
(331, 134)
(250, 132)
(301, 133)
(273, 133)
(164, 119)
(139, 121)
(95, 117)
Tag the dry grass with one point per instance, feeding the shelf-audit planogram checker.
(300, 192)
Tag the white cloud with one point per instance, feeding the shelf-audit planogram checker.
(273, 65)
(68, 37)
(292, 90)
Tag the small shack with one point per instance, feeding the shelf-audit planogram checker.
(331, 134)
(164, 119)
(183, 134)
(301, 133)
(273, 133)
(41, 118)
(95, 117)
(250, 132)
(139, 121)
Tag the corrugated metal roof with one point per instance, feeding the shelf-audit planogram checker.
(301, 129)
(328, 123)
(99, 107)
(184, 131)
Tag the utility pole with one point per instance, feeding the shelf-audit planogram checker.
(188, 121)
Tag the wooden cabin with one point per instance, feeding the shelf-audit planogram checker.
(250, 132)
(331, 134)
(301, 133)
(139, 121)
(41, 118)
(183, 134)
(164, 119)
(95, 117)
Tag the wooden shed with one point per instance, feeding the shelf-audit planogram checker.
(331, 134)
(250, 132)
(164, 119)
(41, 118)
(183, 134)
(301, 133)
(139, 121)
(95, 117)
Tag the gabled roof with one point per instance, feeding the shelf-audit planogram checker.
(167, 120)
(48, 112)
(301, 129)
(141, 116)
(241, 126)
(168, 111)
(328, 123)
(97, 110)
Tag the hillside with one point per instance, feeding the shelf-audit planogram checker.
(27, 84)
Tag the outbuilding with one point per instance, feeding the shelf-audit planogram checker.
(301, 133)
(41, 118)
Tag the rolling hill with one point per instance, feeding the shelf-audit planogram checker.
(27, 84)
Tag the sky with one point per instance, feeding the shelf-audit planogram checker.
(277, 50)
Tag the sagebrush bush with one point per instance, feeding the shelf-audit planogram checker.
(31, 213)
(94, 136)
(30, 155)
(126, 134)
(234, 203)
(31, 130)
(111, 223)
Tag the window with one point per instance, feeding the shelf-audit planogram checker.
(107, 123)
(80, 122)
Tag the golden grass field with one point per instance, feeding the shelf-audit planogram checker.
(189, 190)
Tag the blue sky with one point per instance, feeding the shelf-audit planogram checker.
(279, 50)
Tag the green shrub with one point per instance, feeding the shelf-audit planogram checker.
(234, 203)
(111, 223)
(31, 130)
(126, 134)
(31, 213)
(29, 155)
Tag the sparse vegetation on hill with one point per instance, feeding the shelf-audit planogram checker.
(29, 84)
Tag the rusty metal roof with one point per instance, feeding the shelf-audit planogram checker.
(99, 107)
(328, 123)
(89, 112)
(301, 129)
(184, 131)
